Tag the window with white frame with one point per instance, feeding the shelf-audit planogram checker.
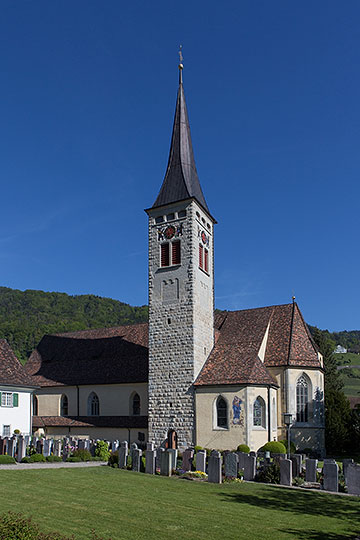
(259, 412)
(6, 431)
(221, 413)
(93, 405)
(302, 399)
(6, 399)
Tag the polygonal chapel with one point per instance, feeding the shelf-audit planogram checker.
(187, 377)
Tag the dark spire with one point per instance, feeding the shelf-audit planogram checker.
(181, 179)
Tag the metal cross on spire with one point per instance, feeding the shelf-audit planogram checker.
(180, 54)
(181, 66)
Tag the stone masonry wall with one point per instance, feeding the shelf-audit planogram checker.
(180, 324)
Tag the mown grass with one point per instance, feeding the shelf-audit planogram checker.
(124, 505)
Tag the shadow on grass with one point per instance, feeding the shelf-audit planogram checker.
(303, 503)
(311, 534)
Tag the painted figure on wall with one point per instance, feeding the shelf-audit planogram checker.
(236, 405)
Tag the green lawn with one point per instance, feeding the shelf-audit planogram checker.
(126, 505)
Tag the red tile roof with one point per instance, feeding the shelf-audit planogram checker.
(120, 354)
(106, 355)
(140, 422)
(11, 371)
(235, 360)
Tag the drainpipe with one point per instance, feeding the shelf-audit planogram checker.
(77, 400)
(129, 438)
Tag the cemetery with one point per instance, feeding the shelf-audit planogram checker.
(213, 466)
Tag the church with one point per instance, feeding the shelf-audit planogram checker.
(190, 376)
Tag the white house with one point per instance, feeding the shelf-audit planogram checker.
(16, 389)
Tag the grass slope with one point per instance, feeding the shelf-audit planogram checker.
(125, 505)
(350, 376)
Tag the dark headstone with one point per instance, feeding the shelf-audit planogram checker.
(353, 479)
(331, 476)
(310, 469)
(214, 468)
(286, 472)
(231, 465)
(188, 456)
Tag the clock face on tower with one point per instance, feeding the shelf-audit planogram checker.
(169, 232)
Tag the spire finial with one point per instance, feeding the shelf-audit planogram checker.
(181, 66)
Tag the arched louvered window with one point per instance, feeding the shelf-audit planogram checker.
(302, 399)
(64, 405)
(221, 413)
(259, 419)
(93, 405)
(136, 405)
(35, 406)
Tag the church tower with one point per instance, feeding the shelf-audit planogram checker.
(181, 289)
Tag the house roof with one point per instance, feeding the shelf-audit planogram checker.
(101, 356)
(181, 179)
(11, 371)
(235, 356)
(120, 354)
(140, 422)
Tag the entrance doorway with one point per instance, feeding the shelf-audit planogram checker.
(172, 439)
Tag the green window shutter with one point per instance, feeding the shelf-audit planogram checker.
(0, 399)
(15, 400)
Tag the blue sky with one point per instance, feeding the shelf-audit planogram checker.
(87, 98)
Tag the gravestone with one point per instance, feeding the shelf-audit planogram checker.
(173, 457)
(353, 479)
(47, 447)
(39, 446)
(231, 465)
(87, 445)
(27, 440)
(165, 463)
(136, 454)
(286, 472)
(214, 468)
(21, 449)
(92, 448)
(250, 468)
(346, 463)
(159, 453)
(114, 446)
(201, 461)
(2, 446)
(150, 446)
(11, 447)
(310, 469)
(150, 458)
(331, 476)
(123, 454)
(57, 447)
(81, 444)
(187, 458)
(296, 464)
(241, 459)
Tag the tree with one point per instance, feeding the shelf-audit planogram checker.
(337, 406)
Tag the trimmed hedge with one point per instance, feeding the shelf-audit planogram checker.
(82, 454)
(7, 460)
(243, 448)
(274, 447)
(292, 446)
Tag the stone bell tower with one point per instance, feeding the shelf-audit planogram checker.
(181, 288)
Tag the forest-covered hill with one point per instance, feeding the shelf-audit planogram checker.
(25, 316)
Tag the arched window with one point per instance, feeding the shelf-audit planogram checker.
(259, 412)
(93, 405)
(64, 405)
(302, 399)
(35, 405)
(221, 413)
(136, 405)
